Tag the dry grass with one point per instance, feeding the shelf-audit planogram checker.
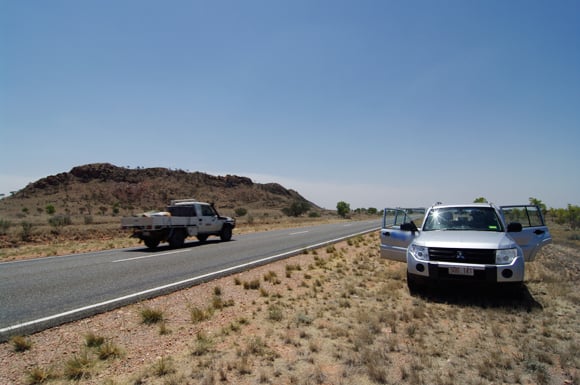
(340, 315)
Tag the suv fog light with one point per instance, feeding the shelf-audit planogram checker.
(507, 273)
(420, 268)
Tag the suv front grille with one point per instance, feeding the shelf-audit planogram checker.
(478, 256)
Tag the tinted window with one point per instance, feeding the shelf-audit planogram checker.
(207, 211)
(182, 211)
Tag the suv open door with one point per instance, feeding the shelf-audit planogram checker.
(399, 228)
(534, 234)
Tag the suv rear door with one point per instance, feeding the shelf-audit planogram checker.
(534, 234)
(396, 234)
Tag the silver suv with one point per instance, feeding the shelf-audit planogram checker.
(464, 242)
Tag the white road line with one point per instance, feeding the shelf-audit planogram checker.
(150, 256)
(175, 284)
(299, 232)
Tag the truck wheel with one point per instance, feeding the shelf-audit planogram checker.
(177, 239)
(151, 242)
(202, 237)
(226, 233)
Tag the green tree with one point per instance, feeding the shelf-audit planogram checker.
(343, 208)
(539, 203)
(480, 200)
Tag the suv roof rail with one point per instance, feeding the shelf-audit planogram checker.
(182, 201)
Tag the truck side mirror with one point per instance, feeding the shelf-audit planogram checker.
(514, 227)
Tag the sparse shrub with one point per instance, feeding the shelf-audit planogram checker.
(240, 211)
(20, 343)
(38, 375)
(218, 302)
(292, 267)
(88, 219)
(253, 284)
(4, 226)
(199, 315)
(151, 316)
(78, 367)
(93, 341)
(163, 367)
(275, 313)
(217, 290)
(203, 345)
(256, 346)
(60, 221)
(296, 209)
(163, 329)
(108, 350)
(50, 210)
(26, 231)
(272, 277)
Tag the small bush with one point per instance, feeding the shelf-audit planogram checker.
(272, 277)
(21, 344)
(151, 316)
(203, 345)
(26, 231)
(4, 226)
(199, 315)
(60, 221)
(275, 313)
(253, 285)
(38, 375)
(240, 211)
(93, 341)
(108, 350)
(78, 367)
(163, 367)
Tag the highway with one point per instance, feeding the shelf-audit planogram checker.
(41, 293)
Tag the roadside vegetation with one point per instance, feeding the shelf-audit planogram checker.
(335, 315)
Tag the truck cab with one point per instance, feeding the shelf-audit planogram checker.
(470, 242)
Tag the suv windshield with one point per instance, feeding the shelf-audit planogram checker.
(463, 218)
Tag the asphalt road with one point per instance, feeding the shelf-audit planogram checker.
(42, 293)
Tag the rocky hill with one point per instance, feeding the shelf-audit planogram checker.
(103, 188)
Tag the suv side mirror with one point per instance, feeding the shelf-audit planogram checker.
(514, 227)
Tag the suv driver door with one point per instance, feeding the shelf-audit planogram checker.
(398, 231)
(534, 234)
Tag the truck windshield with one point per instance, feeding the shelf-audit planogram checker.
(463, 218)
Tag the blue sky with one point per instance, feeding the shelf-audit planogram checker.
(377, 103)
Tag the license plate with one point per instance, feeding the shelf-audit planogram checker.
(463, 270)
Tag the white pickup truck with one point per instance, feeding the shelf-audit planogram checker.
(472, 242)
(183, 218)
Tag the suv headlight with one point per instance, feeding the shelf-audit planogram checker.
(419, 252)
(505, 256)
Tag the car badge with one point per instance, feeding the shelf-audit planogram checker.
(460, 255)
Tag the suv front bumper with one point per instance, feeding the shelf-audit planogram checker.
(446, 271)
